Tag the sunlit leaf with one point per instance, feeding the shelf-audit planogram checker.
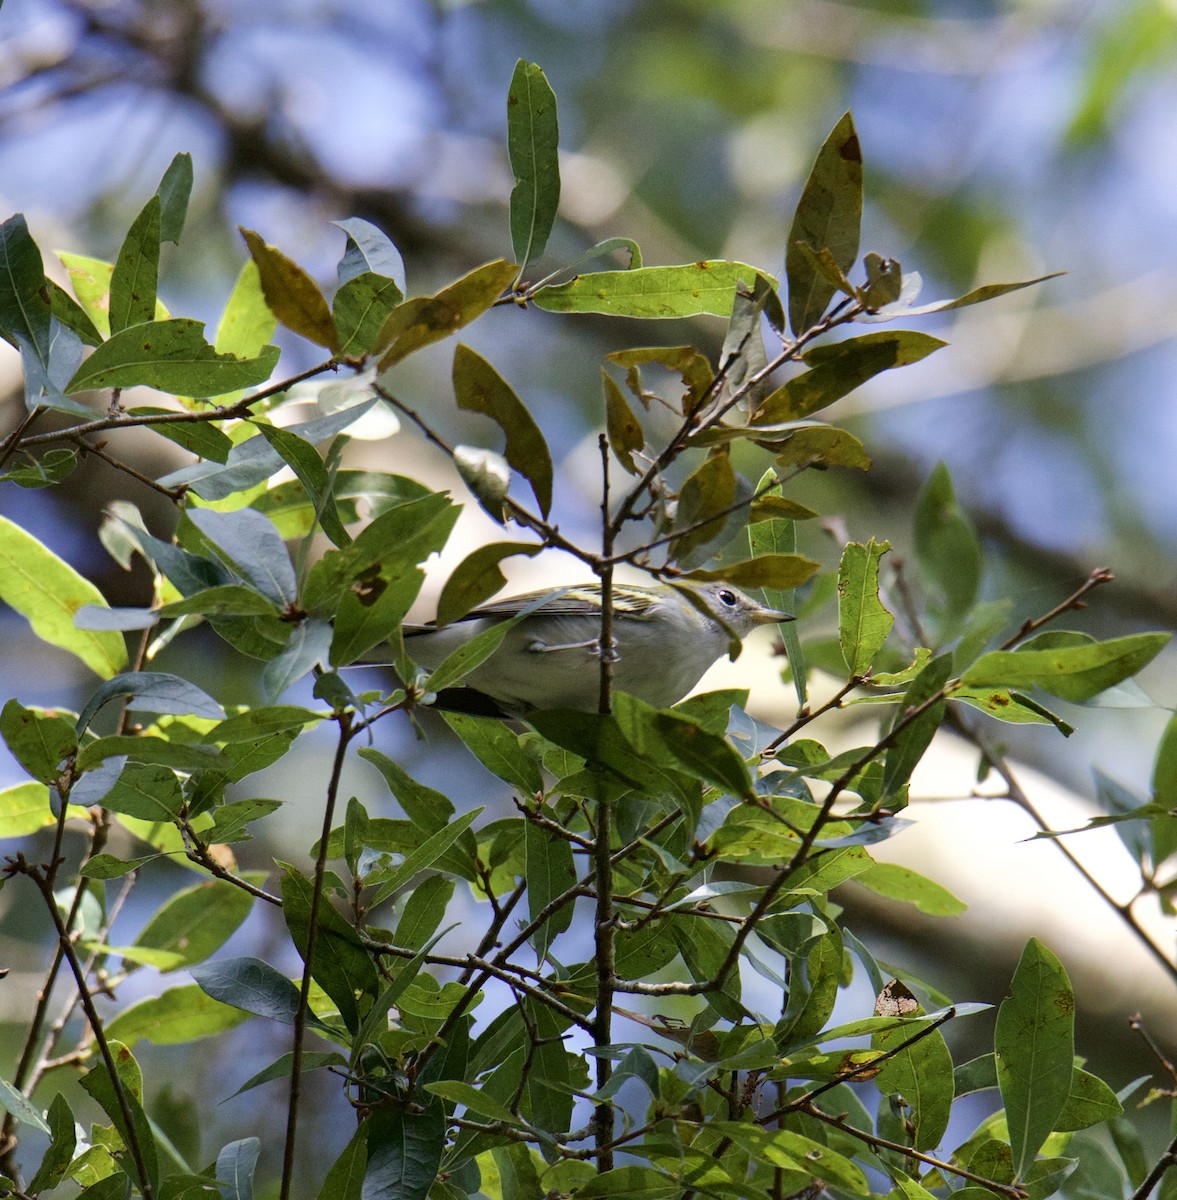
(427, 319)
(292, 295)
(48, 592)
(863, 621)
(837, 370)
(678, 291)
(1074, 671)
(171, 356)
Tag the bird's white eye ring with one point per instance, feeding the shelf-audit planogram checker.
(727, 597)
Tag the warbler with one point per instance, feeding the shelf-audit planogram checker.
(663, 643)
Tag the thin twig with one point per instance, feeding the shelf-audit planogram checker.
(1017, 796)
(12, 441)
(229, 412)
(1098, 576)
(1163, 1164)
(303, 1010)
(1014, 1190)
(173, 494)
(130, 1131)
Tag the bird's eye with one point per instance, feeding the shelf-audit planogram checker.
(727, 597)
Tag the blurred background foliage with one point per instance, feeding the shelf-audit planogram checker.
(1003, 139)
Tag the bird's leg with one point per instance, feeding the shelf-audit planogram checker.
(593, 646)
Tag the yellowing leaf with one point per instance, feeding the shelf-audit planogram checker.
(48, 591)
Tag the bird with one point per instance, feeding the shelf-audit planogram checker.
(664, 641)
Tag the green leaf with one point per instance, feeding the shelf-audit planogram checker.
(908, 748)
(292, 295)
(152, 691)
(151, 793)
(174, 190)
(702, 754)
(227, 600)
(622, 427)
(90, 280)
(197, 921)
(1034, 1042)
(1163, 829)
(863, 621)
(1011, 707)
(707, 493)
(24, 298)
(38, 740)
(235, 1167)
(424, 911)
(249, 543)
(828, 217)
(48, 592)
(176, 1017)
(781, 571)
(25, 808)
(136, 271)
(978, 295)
(838, 369)
(1090, 1102)
(1076, 671)
(476, 578)
(404, 1152)
(106, 866)
(550, 871)
(432, 850)
(902, 883)
(479, 388)
(946, 545)
(427, 319)
(688, 362)
(342, 967)
(472, 1098)
(768, 534)
(786, 1148)
(499, 750)
(473, 653)
(819, 446)
(55, 1162)
(533, 137)
(922, 1074)
(170, 356)
(600, 741)
(250, 985)
(303, 459)
(679, 291)
(97, 1082)
(202, 438)
(247, 324)
(253, 461)
(72, 315)
(630, 1182)
(427, 808)
(23, 1109)
(360, 308)
(345, 1180)
(370, 584)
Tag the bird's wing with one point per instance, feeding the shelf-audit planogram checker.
(580, 601)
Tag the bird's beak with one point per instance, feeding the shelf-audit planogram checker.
(772, 616)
